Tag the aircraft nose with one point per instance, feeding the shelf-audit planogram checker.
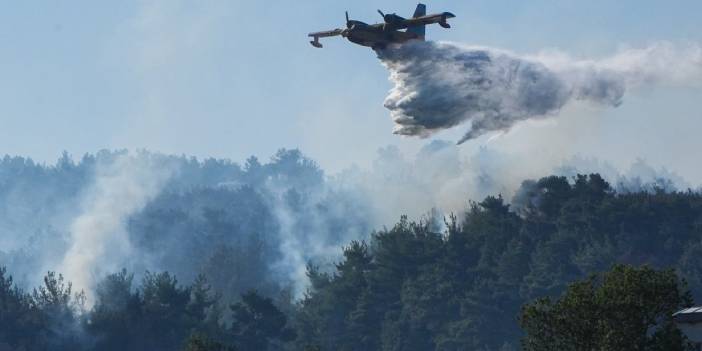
(449, 15)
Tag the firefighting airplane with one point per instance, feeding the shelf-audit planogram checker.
(380, 35)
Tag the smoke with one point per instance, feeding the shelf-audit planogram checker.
(314, 218)
(441, 85)
(99, 241)
(253, 227)
(445, 177)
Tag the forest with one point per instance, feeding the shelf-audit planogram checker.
(270, 256)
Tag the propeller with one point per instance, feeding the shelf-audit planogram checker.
(381, 14)
(348, 22)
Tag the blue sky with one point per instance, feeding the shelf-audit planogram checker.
(233, 78)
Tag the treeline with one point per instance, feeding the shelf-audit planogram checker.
(627, 308)
(415, 288)
(158, 314)
(213, 217)
(454, 284)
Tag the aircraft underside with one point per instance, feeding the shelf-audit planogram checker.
(380, 40)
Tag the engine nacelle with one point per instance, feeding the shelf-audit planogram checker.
(393, 19)
(444, 24)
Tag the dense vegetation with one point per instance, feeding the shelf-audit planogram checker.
(159, 315)
(430, 284)
(624, 309)
(415, 288)
(250, 226)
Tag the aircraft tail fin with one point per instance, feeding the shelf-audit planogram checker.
(418, 29)
(420, 11)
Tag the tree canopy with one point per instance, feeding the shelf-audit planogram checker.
(626, 308)
(426, 284)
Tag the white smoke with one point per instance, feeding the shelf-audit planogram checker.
(307, 218)
(293, 261)
(307, 234)
(99, 241)
(441, 85)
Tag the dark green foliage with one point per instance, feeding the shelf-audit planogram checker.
(164, 310)
(624, 309)
(462, 289)
(17, 316)
(415, 286)
(116, 317)
(157, 316)
(59, 310)
(200, 342)
(257, 324)
(46, 319)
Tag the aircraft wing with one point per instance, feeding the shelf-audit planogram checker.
(326, 33)
(439, 18)
(323, 34)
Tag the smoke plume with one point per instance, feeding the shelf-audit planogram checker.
(441, 85)
(99, 241)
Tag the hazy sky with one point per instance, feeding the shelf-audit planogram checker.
(233, 78)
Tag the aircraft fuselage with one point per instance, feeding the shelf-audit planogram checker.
(375, 36)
